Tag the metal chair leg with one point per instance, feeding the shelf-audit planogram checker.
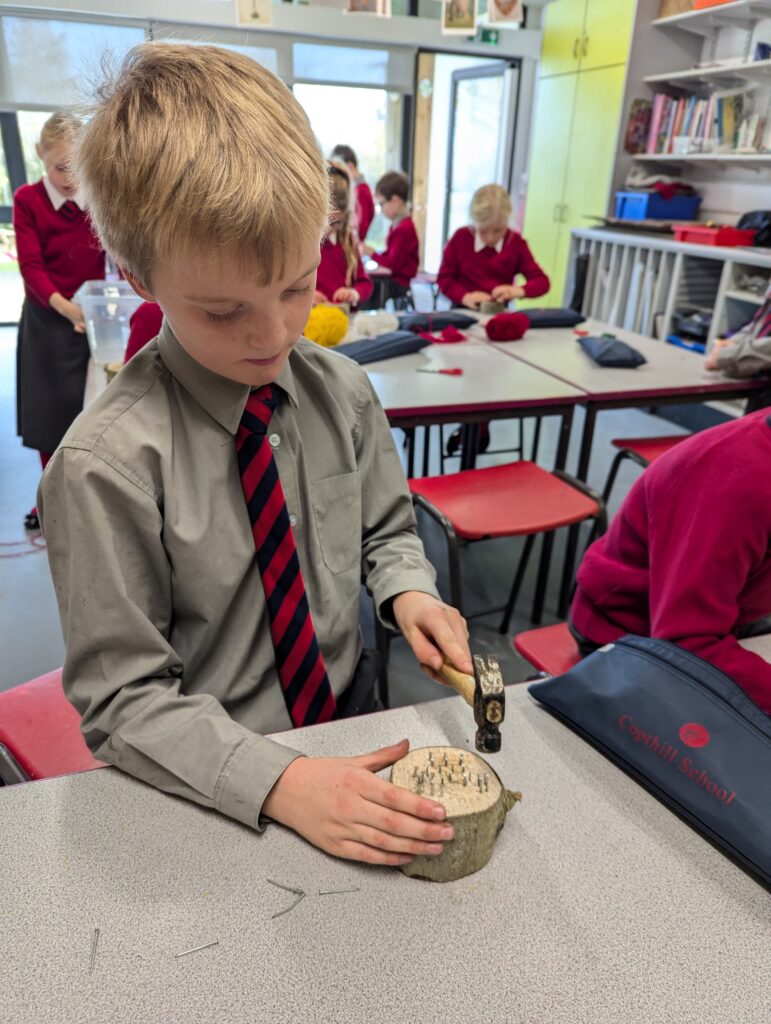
(453, 548)
(615, 466)
(524, 559)
(543, 575)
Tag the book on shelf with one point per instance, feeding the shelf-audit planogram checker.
(718, 123)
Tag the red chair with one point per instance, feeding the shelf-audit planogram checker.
(518, 499)
(551, 650)
(642, 450)
(40, 731)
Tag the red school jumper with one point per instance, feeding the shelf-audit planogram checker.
(365, 209)
(688, 556)
(332, 271)
(464, 270)
(402, 252)
(145, 324)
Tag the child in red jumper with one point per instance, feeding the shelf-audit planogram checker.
(365, 204)
(402, 252)
(688, 556)
(58, 251)
(341, 276)
(482, 263)
(145, 324)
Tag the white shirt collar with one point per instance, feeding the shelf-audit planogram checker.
(57, 199)
(479, 245)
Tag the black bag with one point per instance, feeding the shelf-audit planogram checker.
(435, 321)
(557, 316)
(611, 352)
(760, 222)
(383, 346)
(681, 728)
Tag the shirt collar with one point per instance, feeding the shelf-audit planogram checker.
(224, 400)
(479, 245)
(57, 199)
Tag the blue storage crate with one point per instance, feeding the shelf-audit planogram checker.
(652, 206)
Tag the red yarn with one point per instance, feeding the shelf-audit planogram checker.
(507, 326)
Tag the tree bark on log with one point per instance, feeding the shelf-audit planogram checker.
(476, 802)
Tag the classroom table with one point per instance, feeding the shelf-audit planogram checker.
(490, 387)
(598, 904)
(381, 278)
(672, 375)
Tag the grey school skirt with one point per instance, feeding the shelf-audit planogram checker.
(51, 363)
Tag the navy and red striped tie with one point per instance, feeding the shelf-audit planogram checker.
(299, 661)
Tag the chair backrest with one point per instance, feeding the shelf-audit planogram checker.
(41, 730)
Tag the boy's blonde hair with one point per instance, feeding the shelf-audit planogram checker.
(491, 206)
(199, 150)
(61, 127)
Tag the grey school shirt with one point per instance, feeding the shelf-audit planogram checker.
(169, 659)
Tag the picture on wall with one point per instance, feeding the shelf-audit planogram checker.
(381, 8)
(505, 12)
(459, 17)
(254, 13)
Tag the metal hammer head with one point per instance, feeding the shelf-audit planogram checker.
(489, 704)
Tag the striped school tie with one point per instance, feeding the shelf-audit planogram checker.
(300, 664)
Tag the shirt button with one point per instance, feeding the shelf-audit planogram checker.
(293, 520)
(274, 440)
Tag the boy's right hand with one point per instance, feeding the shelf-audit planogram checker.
(719, 343)
(70, 310)
(473, 300)
(340, 805)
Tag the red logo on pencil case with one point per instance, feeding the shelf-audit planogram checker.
(694, 735)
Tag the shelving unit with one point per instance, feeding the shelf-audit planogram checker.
(740, 13)
(750, 298)
(737, 159)
(723, 75)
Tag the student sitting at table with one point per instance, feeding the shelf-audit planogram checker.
(341, 276)
(208, 517)
(402, 252)
(748, 351)
(364, 207)
(688, 556)
(481, 263)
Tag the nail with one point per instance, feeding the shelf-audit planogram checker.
(439, 813)
(448, 832)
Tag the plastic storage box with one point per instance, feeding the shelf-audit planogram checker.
(652, 206)
(723, 235)
(107, 308)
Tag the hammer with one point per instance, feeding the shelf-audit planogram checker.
(485, 694)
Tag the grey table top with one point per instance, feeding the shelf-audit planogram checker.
(670, 370)
(598, 905)
(490, 382)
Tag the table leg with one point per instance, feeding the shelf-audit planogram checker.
(536, 438)
(566, 425)
(426, 447)
(587, 439)
(469, 437)
(410, 434)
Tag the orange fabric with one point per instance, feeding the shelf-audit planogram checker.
(505, 501)
(41, 729)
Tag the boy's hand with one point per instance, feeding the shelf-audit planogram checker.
(473, 300)
(711, 360)
(507, 292)
(435, 631)
(70, 310)
(346, 295)
(341, 806)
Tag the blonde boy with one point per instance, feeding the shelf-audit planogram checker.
(208, 188)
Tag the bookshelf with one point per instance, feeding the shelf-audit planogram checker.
(740, 13)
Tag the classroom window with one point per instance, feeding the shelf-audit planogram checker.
(370, 120)
(50, 63)
(6, 192)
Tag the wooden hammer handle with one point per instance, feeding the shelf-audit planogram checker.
(464, 684)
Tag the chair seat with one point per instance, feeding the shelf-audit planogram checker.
(649, 448)
(550, 649)
(41, 729)
(505, 501)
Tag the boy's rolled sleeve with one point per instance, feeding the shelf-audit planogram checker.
(746, 356)
(113, 583)
(392, 554)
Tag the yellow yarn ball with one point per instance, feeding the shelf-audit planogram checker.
(327, 326)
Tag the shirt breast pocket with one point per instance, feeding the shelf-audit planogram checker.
(336, 504)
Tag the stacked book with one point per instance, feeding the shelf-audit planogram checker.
(707, 125)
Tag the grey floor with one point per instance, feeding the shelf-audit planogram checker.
(30, 635)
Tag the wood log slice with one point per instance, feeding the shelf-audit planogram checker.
(476, 802)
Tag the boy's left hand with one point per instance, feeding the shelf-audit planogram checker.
(507, 292)
(435, 631)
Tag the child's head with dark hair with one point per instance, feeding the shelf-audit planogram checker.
(341, 218)
(345, 154)
(393, 183)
